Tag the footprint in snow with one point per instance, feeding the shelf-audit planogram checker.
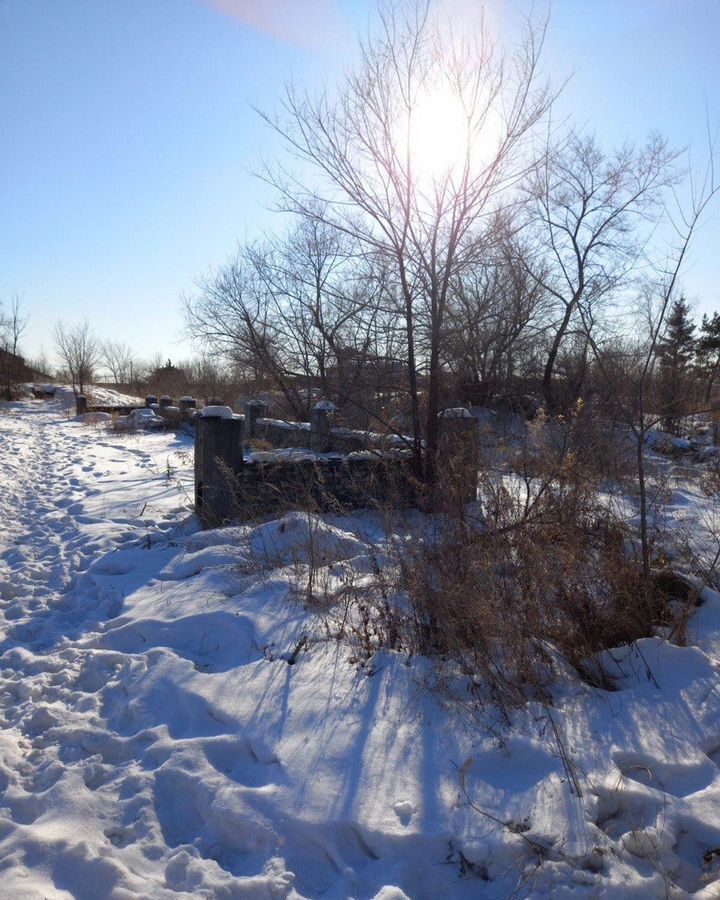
(119, 836)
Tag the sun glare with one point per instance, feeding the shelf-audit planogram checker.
(438, 135)
(442, 140)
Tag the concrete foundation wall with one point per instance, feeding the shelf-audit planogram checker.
(340, 484)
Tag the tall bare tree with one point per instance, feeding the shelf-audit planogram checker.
(119, 360)
(589, 208)
(79, 352)
(361, 144)
(631, 375)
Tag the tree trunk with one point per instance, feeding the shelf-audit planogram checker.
(547, 382)
(431, 426)
(412, 383)
(644, 537)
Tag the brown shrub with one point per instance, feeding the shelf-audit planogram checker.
(540, 575)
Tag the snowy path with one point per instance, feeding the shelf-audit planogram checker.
(43, 549)
(59, 515)
(155, 742)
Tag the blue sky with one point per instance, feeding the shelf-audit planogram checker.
(128, 139)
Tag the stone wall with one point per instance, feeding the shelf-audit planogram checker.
(324, 484)
(229, 485)
(280, 434)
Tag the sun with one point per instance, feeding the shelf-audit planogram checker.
(443, 135)
(439, 134)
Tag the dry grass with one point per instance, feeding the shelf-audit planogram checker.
(537, 577)
(544, 578)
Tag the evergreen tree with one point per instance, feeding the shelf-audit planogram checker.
(676, 351)
(708, 352)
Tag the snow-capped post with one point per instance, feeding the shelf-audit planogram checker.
(459, 450)
(165, 401)
(218, 460)
(320, 422)
(185, 404)
(80, 404)
(254, 410)
(150, 400)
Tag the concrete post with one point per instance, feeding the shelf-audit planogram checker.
(80, 404)
(320, 422)
(165, 401)
(254, 410)
(218, 460)
(150, 400)
(458, 453)
(185, 404)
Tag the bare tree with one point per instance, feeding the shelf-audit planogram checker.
(12, 327)
(589, 208)
(631, 377)
(329, 310)
(234, 316)
(79, 352)
(302, 311)
(495, 322)
(426, 226)
(119, 360)
(41, 364)
(206, 376)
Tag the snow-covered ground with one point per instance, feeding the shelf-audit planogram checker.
(64, 395)
(155, 740)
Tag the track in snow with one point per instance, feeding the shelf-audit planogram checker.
(61, 767)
